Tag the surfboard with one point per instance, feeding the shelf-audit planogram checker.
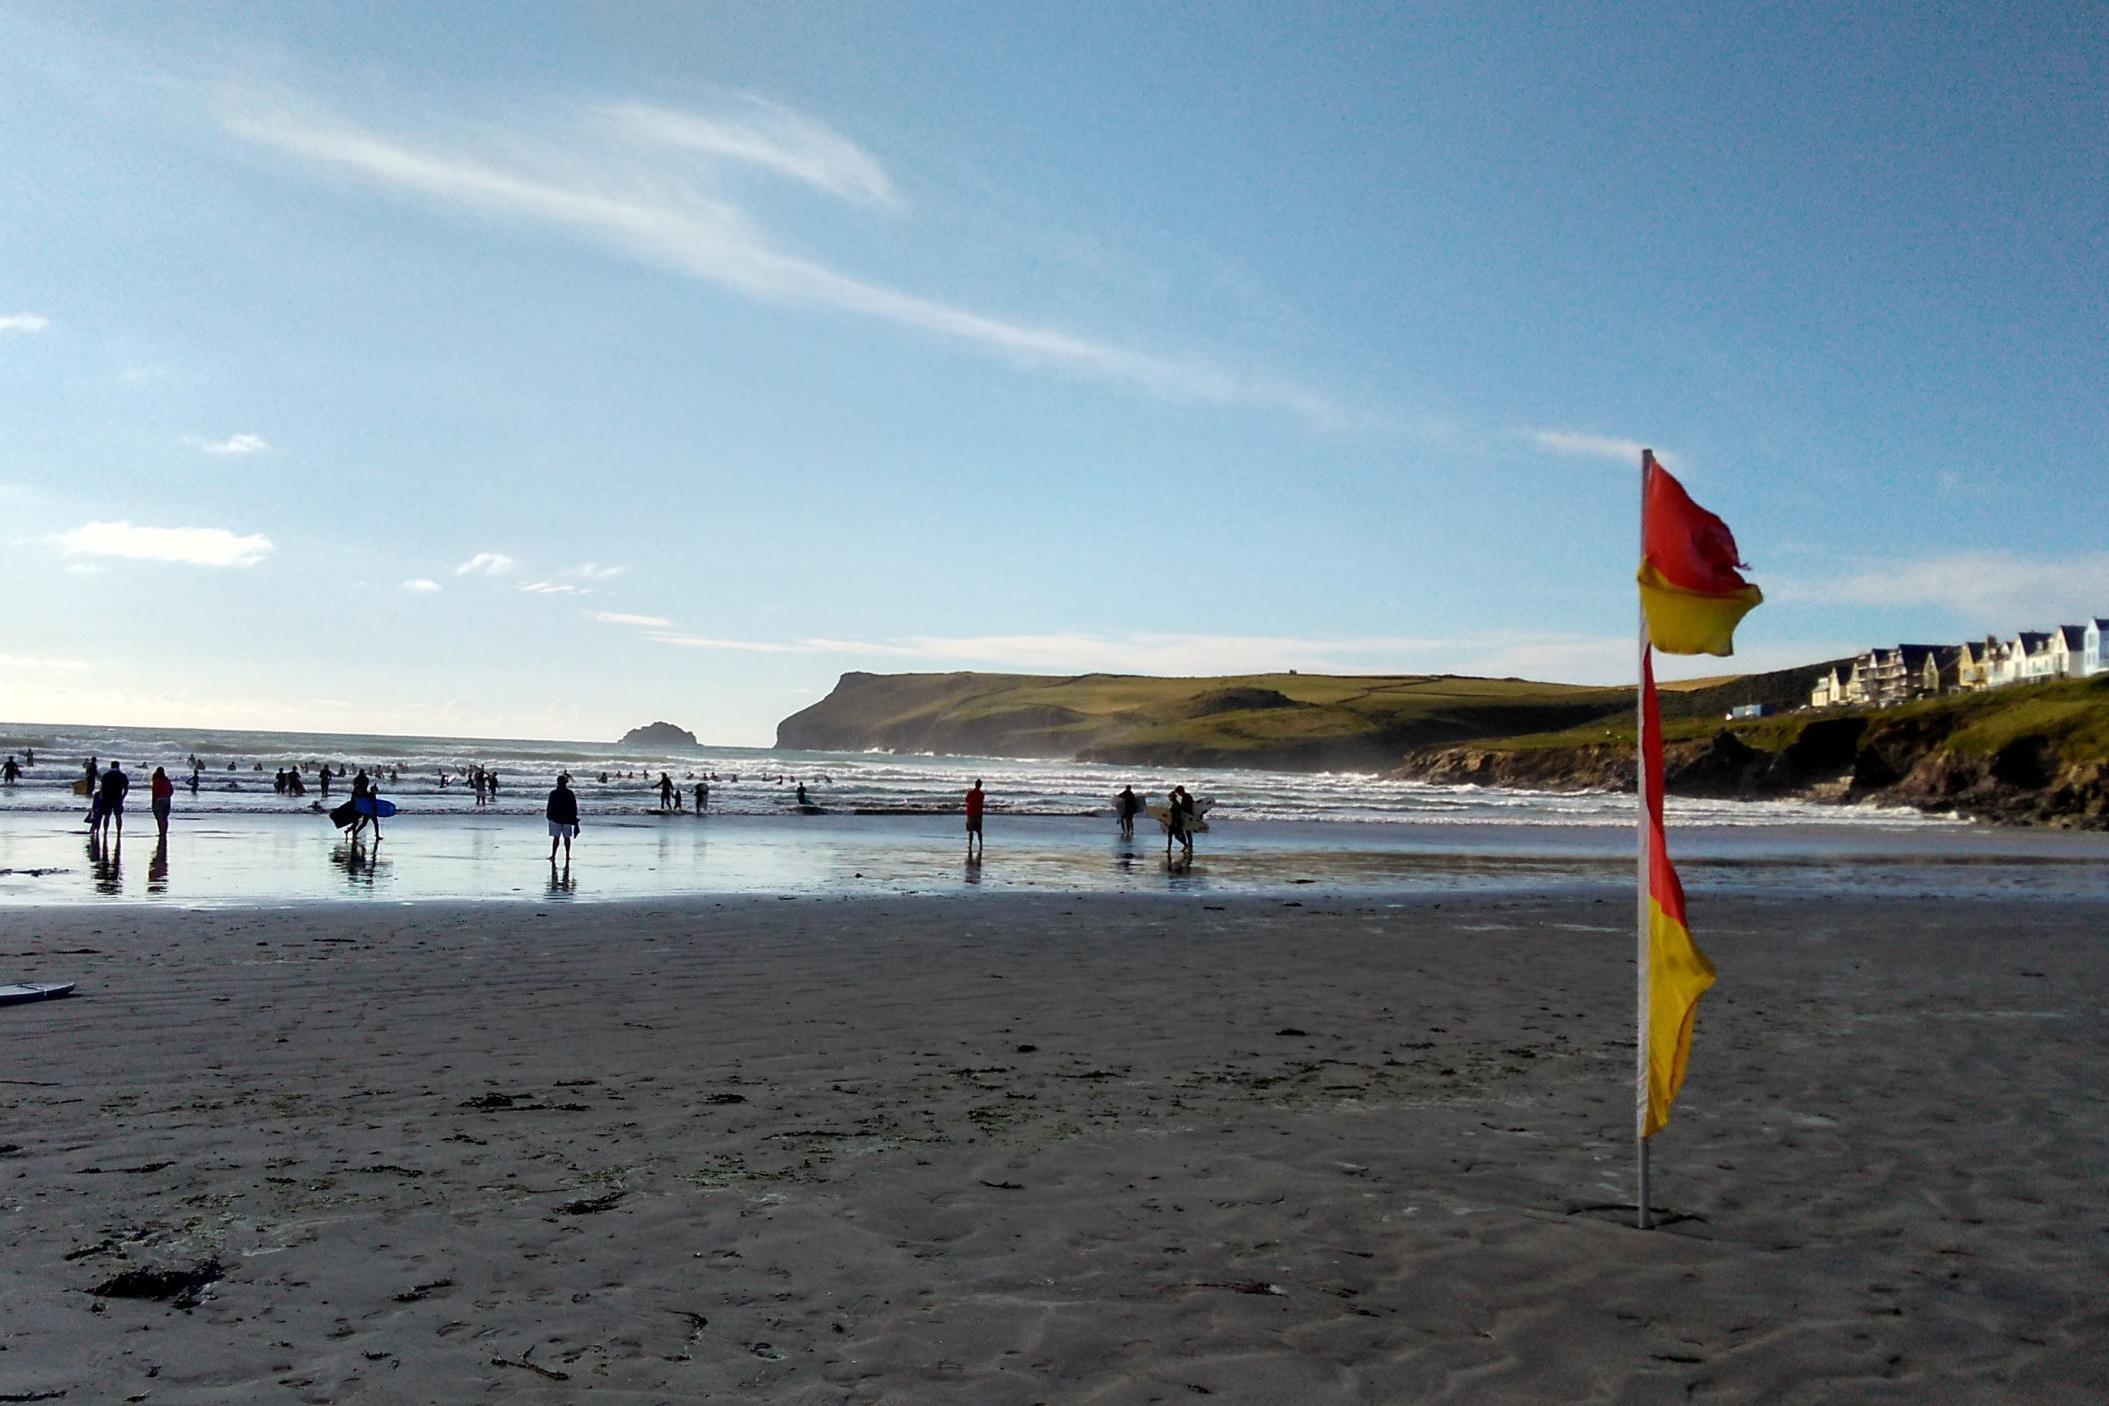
(374, 806)
(1195, 824)
(82, 788)
(13, 992)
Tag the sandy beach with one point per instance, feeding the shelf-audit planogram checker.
(1047, 1149)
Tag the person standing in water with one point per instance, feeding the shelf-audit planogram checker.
(1175, 823)
(975, 801)
(563, 816)
(114, 786)
(702, 796)
(1127, 804)
(669, 799)
(163, 793)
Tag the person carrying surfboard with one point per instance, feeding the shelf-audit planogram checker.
(975, 802)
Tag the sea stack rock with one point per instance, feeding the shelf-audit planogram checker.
(658, 735)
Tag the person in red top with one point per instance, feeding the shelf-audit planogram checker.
(974, 802)
(164, 795)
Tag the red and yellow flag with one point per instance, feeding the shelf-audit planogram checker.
(1678, 972)
(1690, 590)
(1692, 596)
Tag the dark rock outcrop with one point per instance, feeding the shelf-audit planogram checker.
(658, 735)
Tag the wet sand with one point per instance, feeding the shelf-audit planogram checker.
(1020, 1149)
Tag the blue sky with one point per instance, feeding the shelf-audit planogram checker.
(545, 370)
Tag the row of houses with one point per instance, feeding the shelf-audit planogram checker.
(1883, 676)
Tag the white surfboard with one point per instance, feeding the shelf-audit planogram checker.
(12, 992)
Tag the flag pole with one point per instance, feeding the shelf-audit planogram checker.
(1642, 955)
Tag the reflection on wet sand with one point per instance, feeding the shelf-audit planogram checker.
(108, 862)
(360, 867)
(561, 884)
(272, 860)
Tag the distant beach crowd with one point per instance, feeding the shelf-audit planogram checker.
(106, 788)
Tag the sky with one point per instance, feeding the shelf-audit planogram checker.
(541, 371)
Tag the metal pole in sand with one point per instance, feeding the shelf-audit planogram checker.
(1641, 960)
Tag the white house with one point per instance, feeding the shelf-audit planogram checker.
(2038, 660)
(2068, 650)
(2004, 665)
(2094, 649)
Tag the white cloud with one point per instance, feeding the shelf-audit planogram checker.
(617, 194)
(193, 546)
(550, 588)
(613, 617)
(487, 564)
(237, 444)
(1597, 446)
(592, 571)
(1142, 652)
(42, 665)
(422, 585)
(1984, 590)
(23, 322)
(770, 135)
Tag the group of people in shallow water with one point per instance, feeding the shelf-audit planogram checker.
(108, 787)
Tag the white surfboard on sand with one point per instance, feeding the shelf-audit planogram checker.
(12, 992)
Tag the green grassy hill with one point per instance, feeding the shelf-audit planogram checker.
(1292, 721)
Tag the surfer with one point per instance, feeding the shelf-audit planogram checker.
(1178, 812)
(702, 796)
(10, 771)
(1128, 805)
(563, 815)
(975, 801)
(802, 794)
(363, 790)
(163, 794)
(669, 799)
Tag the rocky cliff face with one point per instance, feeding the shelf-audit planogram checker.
(1852, 760)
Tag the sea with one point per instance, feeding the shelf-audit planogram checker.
(887, 823)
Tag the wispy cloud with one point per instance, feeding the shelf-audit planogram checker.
(193, 546)
(237, 444)
(1987, 590)
(551, 588)
(487, 564)
(42, 665)
(616, 617)
(769, 135)
(23, 322)
(626, 182)
(1595, 446)
(591, 571)
(422, 585)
